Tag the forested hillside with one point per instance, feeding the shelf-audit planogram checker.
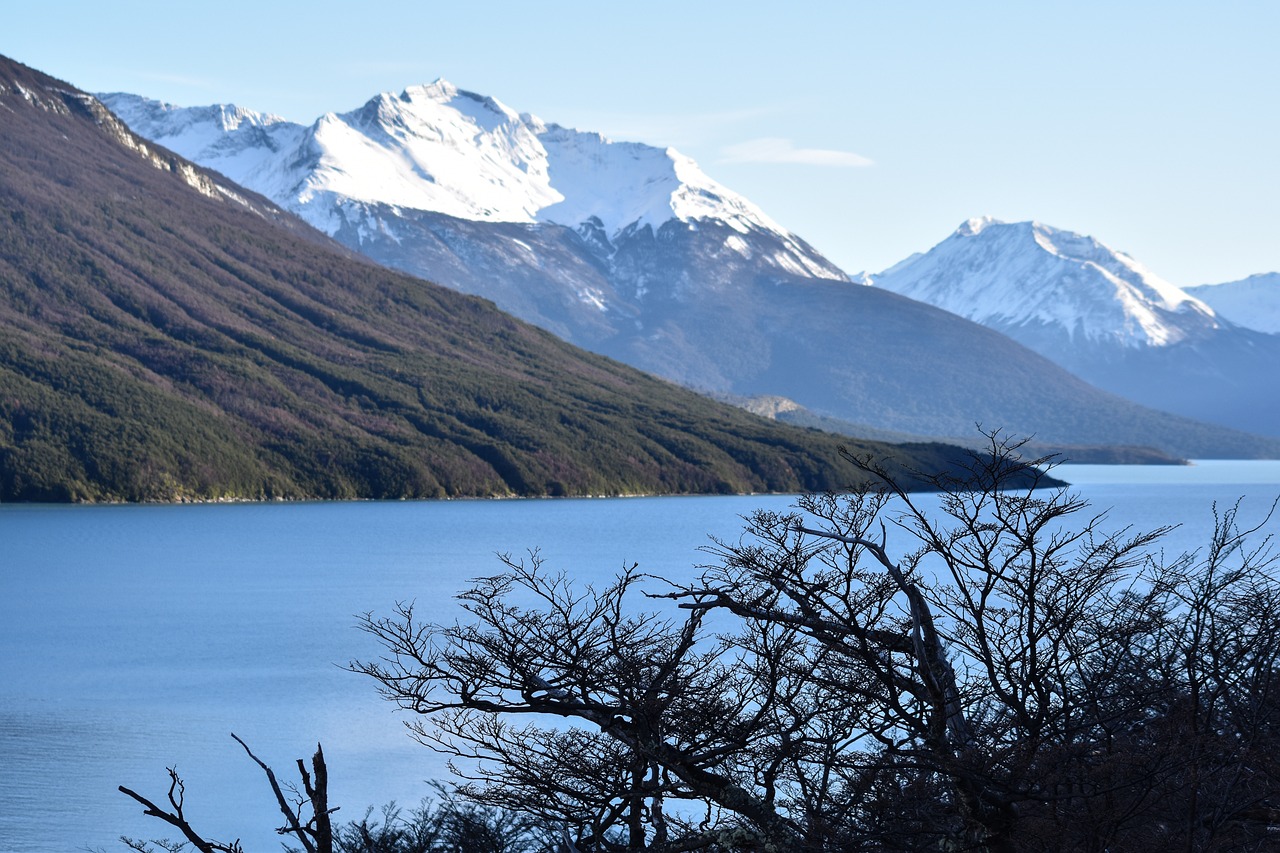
(167, 335)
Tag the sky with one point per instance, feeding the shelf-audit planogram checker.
(871, 130)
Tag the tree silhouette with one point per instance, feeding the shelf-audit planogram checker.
(986, 669)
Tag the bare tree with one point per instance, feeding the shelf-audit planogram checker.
(444, 822)
(985, 668)
(1025, 669)
(178, 819)
(667, 710)
(315, 833)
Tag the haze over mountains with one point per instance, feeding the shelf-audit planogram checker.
(165, 334)
(631, 251)
(1106, 317)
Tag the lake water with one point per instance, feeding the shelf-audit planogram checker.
(133, 638)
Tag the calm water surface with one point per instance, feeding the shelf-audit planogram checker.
(136, 638)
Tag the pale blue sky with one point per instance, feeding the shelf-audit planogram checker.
(871, 130)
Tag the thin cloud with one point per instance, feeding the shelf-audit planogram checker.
(774, 149)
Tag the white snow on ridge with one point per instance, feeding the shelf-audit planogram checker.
(437, 148)
(1013, 274)
(619, 183)
(433, 148)
(1253, 302)
(233, 140)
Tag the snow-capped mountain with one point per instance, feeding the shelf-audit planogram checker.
(632, 251)
(1102, 315)
(1049, 282)
(438, 149)
(1253, 302)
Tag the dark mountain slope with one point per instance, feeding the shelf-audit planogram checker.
(649, 261)
(165, 335)
(712, 321)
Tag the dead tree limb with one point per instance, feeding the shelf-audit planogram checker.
(316, 836)
(177, 819)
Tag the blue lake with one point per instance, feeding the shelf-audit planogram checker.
(133, 638)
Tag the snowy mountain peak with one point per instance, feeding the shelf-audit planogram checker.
(441, 90)
(426, 100)
(1023, 274)
(1253, 302)
(974, 226)
(142, 113)
(441, 149)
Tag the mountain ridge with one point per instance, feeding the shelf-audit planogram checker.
(444, 150)
(161, 343)
(727, 306)
(1103, 316)
(1082, 286)
(1252, 302)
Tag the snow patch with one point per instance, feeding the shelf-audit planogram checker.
(736, 244)
(975, 226)
(594, 297)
